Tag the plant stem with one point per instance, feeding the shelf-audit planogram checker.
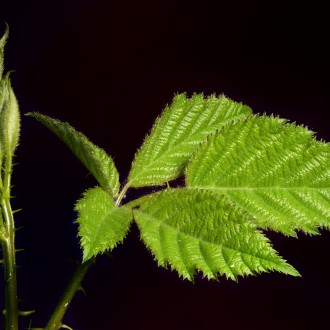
(9, 263)
(74, 285)
(9, 252)
(122, 195)
(136, 202)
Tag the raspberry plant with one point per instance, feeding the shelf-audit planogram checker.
(244, 173)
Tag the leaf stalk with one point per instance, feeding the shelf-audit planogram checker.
(73, 287)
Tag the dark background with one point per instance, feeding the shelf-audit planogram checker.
(109, 68)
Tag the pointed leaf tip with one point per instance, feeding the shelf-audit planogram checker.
(2, 46)
(4, 36)
(95, 159)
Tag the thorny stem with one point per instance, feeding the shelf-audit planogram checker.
(55, 322)
(11, 311)
(8, 250)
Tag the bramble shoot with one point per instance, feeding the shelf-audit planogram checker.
(243, 174)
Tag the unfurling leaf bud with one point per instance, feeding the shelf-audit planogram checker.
(9, 118)
(2, 45)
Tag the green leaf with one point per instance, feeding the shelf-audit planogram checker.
(94, 158)
(177, 134)
(102, 225)
(275, 171)
(199, 230)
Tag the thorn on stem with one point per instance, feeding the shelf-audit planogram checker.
(110, 256)
(73, 261)
(82, 290)
(26, 313)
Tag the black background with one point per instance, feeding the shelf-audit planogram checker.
(109, 68)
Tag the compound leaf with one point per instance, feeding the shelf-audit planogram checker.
(274, 170)
(102, 225)
(95, 159)
(176, 135)
(200, 230)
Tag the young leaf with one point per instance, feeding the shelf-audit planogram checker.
(94, 158)
(200, 230)
(275, 171)
(9, 118)
(102, 225)
(2, 46)
(177, 134)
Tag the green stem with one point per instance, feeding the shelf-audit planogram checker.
(73, 287)
(122, 195)
(136, 202)
(9, 262)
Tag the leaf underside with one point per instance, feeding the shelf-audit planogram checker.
(275, 171)
(95, 159)
(102, 225)
(199, 230)
(176, 135)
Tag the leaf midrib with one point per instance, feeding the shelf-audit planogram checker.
(101, 224)
(213, 188)
(157, 158)
(208, 242)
